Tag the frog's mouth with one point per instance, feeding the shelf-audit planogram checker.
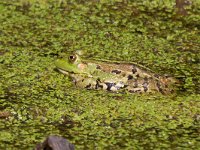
(63, 71)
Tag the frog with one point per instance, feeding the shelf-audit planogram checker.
(113, 76)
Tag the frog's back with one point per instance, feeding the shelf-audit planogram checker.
(134, 79)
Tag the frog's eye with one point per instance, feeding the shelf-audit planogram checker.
(72, 58)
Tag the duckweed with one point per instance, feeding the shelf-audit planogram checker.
(37, 101)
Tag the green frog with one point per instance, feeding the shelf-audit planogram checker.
(113, 76)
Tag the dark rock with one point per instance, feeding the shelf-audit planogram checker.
(54, 142)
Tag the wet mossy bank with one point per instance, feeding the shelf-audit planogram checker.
(36, 101)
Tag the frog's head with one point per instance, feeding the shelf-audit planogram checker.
(71, 64)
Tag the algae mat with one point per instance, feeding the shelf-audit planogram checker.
(36, 101)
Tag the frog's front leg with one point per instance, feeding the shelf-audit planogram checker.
(88, 83)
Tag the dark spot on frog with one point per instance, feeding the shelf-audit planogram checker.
(101, 86)
(98, 67)
(98, 85)
(109, 85)
(145, 79)
(125, 86)
(116, 71)
(159, 88)
(135, 84)
(145, 84)
(137, 75)
(88, 86)
(134, 91)
(130, 77)
(166, 86)
(131, 91)
(134, 70)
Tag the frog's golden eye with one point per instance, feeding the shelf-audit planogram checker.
(72, 58)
